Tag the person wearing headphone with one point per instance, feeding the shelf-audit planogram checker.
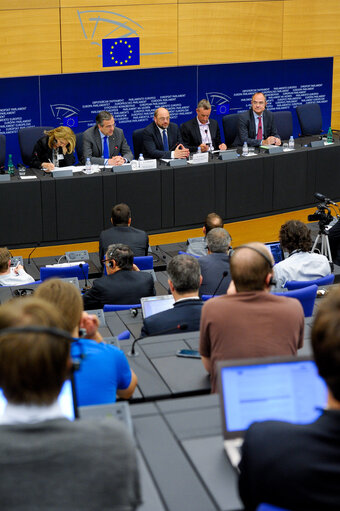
(54, 149)
(249, 321)
(124, 284)
(58, 463)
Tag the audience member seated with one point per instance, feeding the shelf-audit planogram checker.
(202, 132)
(122, 232)
(297, 466)
(215, 268)
(58, 464)
(104, 370)
(249, 321)
(12, 276)
(198, 246)
(295, 238)
(124, 284)
(54, 149)
(105, 144)
(257, 125)
(162, 138)
(184, 281)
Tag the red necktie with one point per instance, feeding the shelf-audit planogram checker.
(259, 130)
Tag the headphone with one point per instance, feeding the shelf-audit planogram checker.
(56, 332)
(272, 281)
(111, 265)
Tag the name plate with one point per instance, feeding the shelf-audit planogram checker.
(200, 157)
(147, 164)
(317, 143)
(121, 168)
(274, 149)
(4, 178)
(62, 173)
(177, 163)
(228, 155)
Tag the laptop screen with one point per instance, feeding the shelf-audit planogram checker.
(288, 390)
(154, 304)
(66, 400)
(276, 251)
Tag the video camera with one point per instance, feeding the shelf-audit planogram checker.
(323, 212)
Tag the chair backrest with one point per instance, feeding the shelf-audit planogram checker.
(79, 146)
(230, 128)
(206, 297)
(192, 255)
(2, 149)
(144, 262)
(27, 140)
(310, 119)
(63, 272)
(270, 507)
(305, 295)
(114, 307)
(137, 140)
(284, 123)
(299, 284)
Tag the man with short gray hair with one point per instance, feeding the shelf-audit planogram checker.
(215, 266)
(105, 144)
(184, 281)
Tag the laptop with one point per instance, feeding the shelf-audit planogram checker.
(154, 304)
(67, 400)
(273, 388)
(276, 250)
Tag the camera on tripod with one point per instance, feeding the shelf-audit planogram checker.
(323, 213)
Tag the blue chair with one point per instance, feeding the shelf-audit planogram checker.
(192, 255)
(79, 146)
(230, 128)
(2, 150)
(310, 119)
(299, 284)
(109, 307)
(137, 140)
(284, 123)
(305, 295)
(28, 137)
(206, 297)
(270, 507)
(64, 272)
(144, 262)
(123, 335)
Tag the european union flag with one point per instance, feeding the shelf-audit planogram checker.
(223, 109)
(120, 52)
(71, 122)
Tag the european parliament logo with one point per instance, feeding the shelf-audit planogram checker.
(121, 52)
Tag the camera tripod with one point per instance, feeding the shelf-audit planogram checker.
(325, 248)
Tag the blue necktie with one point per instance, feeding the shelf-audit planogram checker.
(165, 141)
(106, 154)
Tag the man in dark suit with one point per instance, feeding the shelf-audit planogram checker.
(184, 281)
(162, 138)
(257, 125)
(123, 284)
(122, 232)
(202, 132)
(215, 267)
(297, 466)
(104, 144)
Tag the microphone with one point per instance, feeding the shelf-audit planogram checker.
(86, 286)
(224, 274)
(181, 326)
(29, 255)
(322, 198)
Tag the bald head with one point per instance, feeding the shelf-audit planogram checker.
(251, 267)
(162, 118)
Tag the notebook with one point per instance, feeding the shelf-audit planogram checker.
(276, 250)
(67, 400)
(275, 388)
(154, 304)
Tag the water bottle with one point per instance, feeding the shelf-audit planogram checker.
(199, 150)
(291, 143)
(140, 158)
(245, 149)
(330, 136)
(88, 166)
(10, 165)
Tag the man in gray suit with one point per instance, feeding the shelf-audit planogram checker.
(104, 144)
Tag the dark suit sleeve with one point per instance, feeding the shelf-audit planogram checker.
(188, 136)
(151, 149)
(174, 136)
(41, 153)
(270, 126)
(89, 150)
(244, 131)
(124, 148)
(217, 138)
(92, 298)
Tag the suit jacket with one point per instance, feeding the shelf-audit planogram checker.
(136, 239)
(247, 128)
(212, 268)
(187, 311)
(93, 149)
(43, 153)
(153, 143)
(123, 287)
(292, 466)
(191, 134)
